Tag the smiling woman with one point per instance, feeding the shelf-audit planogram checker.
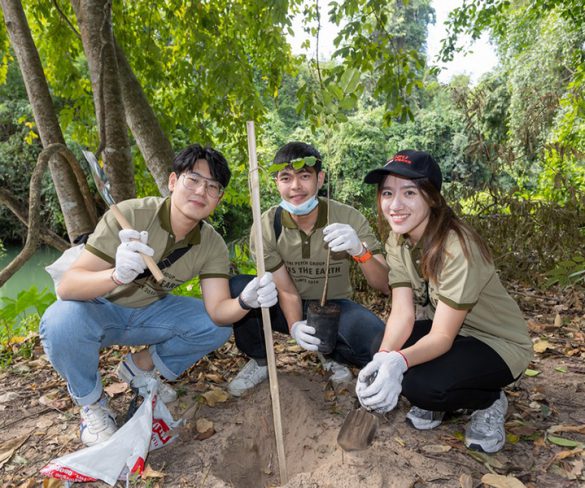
(473, 341)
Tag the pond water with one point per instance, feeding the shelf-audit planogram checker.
(32, 273)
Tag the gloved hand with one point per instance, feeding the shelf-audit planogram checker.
(129, 264)
(260, 292)
(303, 334)
(382, 394)
(343, 237)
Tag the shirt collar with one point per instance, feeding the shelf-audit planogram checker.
(289, 223)
(164, 216)
(403, 241)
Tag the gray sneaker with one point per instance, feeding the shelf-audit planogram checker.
(251, 375)
(128, 372)
(424, 419)
(485, 432)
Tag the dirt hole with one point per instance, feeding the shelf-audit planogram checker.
(250, 459)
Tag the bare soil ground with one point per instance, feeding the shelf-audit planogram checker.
(545, 423)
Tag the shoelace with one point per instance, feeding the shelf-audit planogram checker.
(484, 419)
(97, 417)
(250, 371)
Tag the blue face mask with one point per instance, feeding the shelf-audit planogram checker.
(302, 209)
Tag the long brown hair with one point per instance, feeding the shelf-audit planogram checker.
(442, 221)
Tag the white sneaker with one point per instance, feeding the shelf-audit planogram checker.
(251, 375)
(137, 378)
(341, 374)
(424, 419)
(485, 432)
(97, 423)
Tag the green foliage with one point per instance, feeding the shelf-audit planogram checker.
(21, 315)
(568, 273)
(18, 153)
(4, 50)
(295, 163)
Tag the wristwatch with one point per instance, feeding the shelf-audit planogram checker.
(365, 256)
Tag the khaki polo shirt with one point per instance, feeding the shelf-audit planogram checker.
(493, 316)
(207, 258)
(305, 255)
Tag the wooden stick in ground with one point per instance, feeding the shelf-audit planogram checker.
(267, 326)
(326, 285)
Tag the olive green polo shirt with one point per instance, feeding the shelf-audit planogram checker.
(305, 255)
(493, 316)
(207, 258)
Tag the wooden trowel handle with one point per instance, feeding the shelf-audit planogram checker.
(150, 263)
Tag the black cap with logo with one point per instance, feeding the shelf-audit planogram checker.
(409, 164)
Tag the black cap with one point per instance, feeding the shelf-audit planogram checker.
(409, 164)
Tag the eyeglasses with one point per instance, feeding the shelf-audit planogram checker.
(193, 181)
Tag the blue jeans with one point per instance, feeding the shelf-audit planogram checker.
(178, 330)
(358, 339)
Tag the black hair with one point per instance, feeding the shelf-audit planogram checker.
(296, 150)
(218, 166)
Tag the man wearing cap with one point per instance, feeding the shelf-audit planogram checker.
(475, 341)
(296, 238)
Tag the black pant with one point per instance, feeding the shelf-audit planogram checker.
(358, 339)
(468, 376)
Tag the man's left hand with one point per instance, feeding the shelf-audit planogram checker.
(343, 237)
(260, 292)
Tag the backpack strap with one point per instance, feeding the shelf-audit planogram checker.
(170, 259)
(166, 262)
(277, 222)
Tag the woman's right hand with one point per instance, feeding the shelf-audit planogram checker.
(381, 394)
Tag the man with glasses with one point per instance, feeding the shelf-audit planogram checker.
(296, 237)
(108, 297)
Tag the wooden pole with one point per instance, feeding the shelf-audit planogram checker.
(267, 326)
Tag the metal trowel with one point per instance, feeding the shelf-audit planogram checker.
(359, 427)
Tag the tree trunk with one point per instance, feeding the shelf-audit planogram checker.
(34, 222)
(95, 27)
(79, 212)
(154, 145)
(18, 208)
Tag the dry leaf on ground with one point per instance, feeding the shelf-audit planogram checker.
(151, 473)
(9, 396)
(116, 388)
(541, 346)
(466, 481)
(500, 481)
(215, 396)
(436, 449)
(9, 447)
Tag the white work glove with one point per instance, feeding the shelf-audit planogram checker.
(343, 237)
(129, 264)
(260, 292)
(382, 394)
(303, 334)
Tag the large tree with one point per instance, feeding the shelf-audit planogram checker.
(174, 72)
